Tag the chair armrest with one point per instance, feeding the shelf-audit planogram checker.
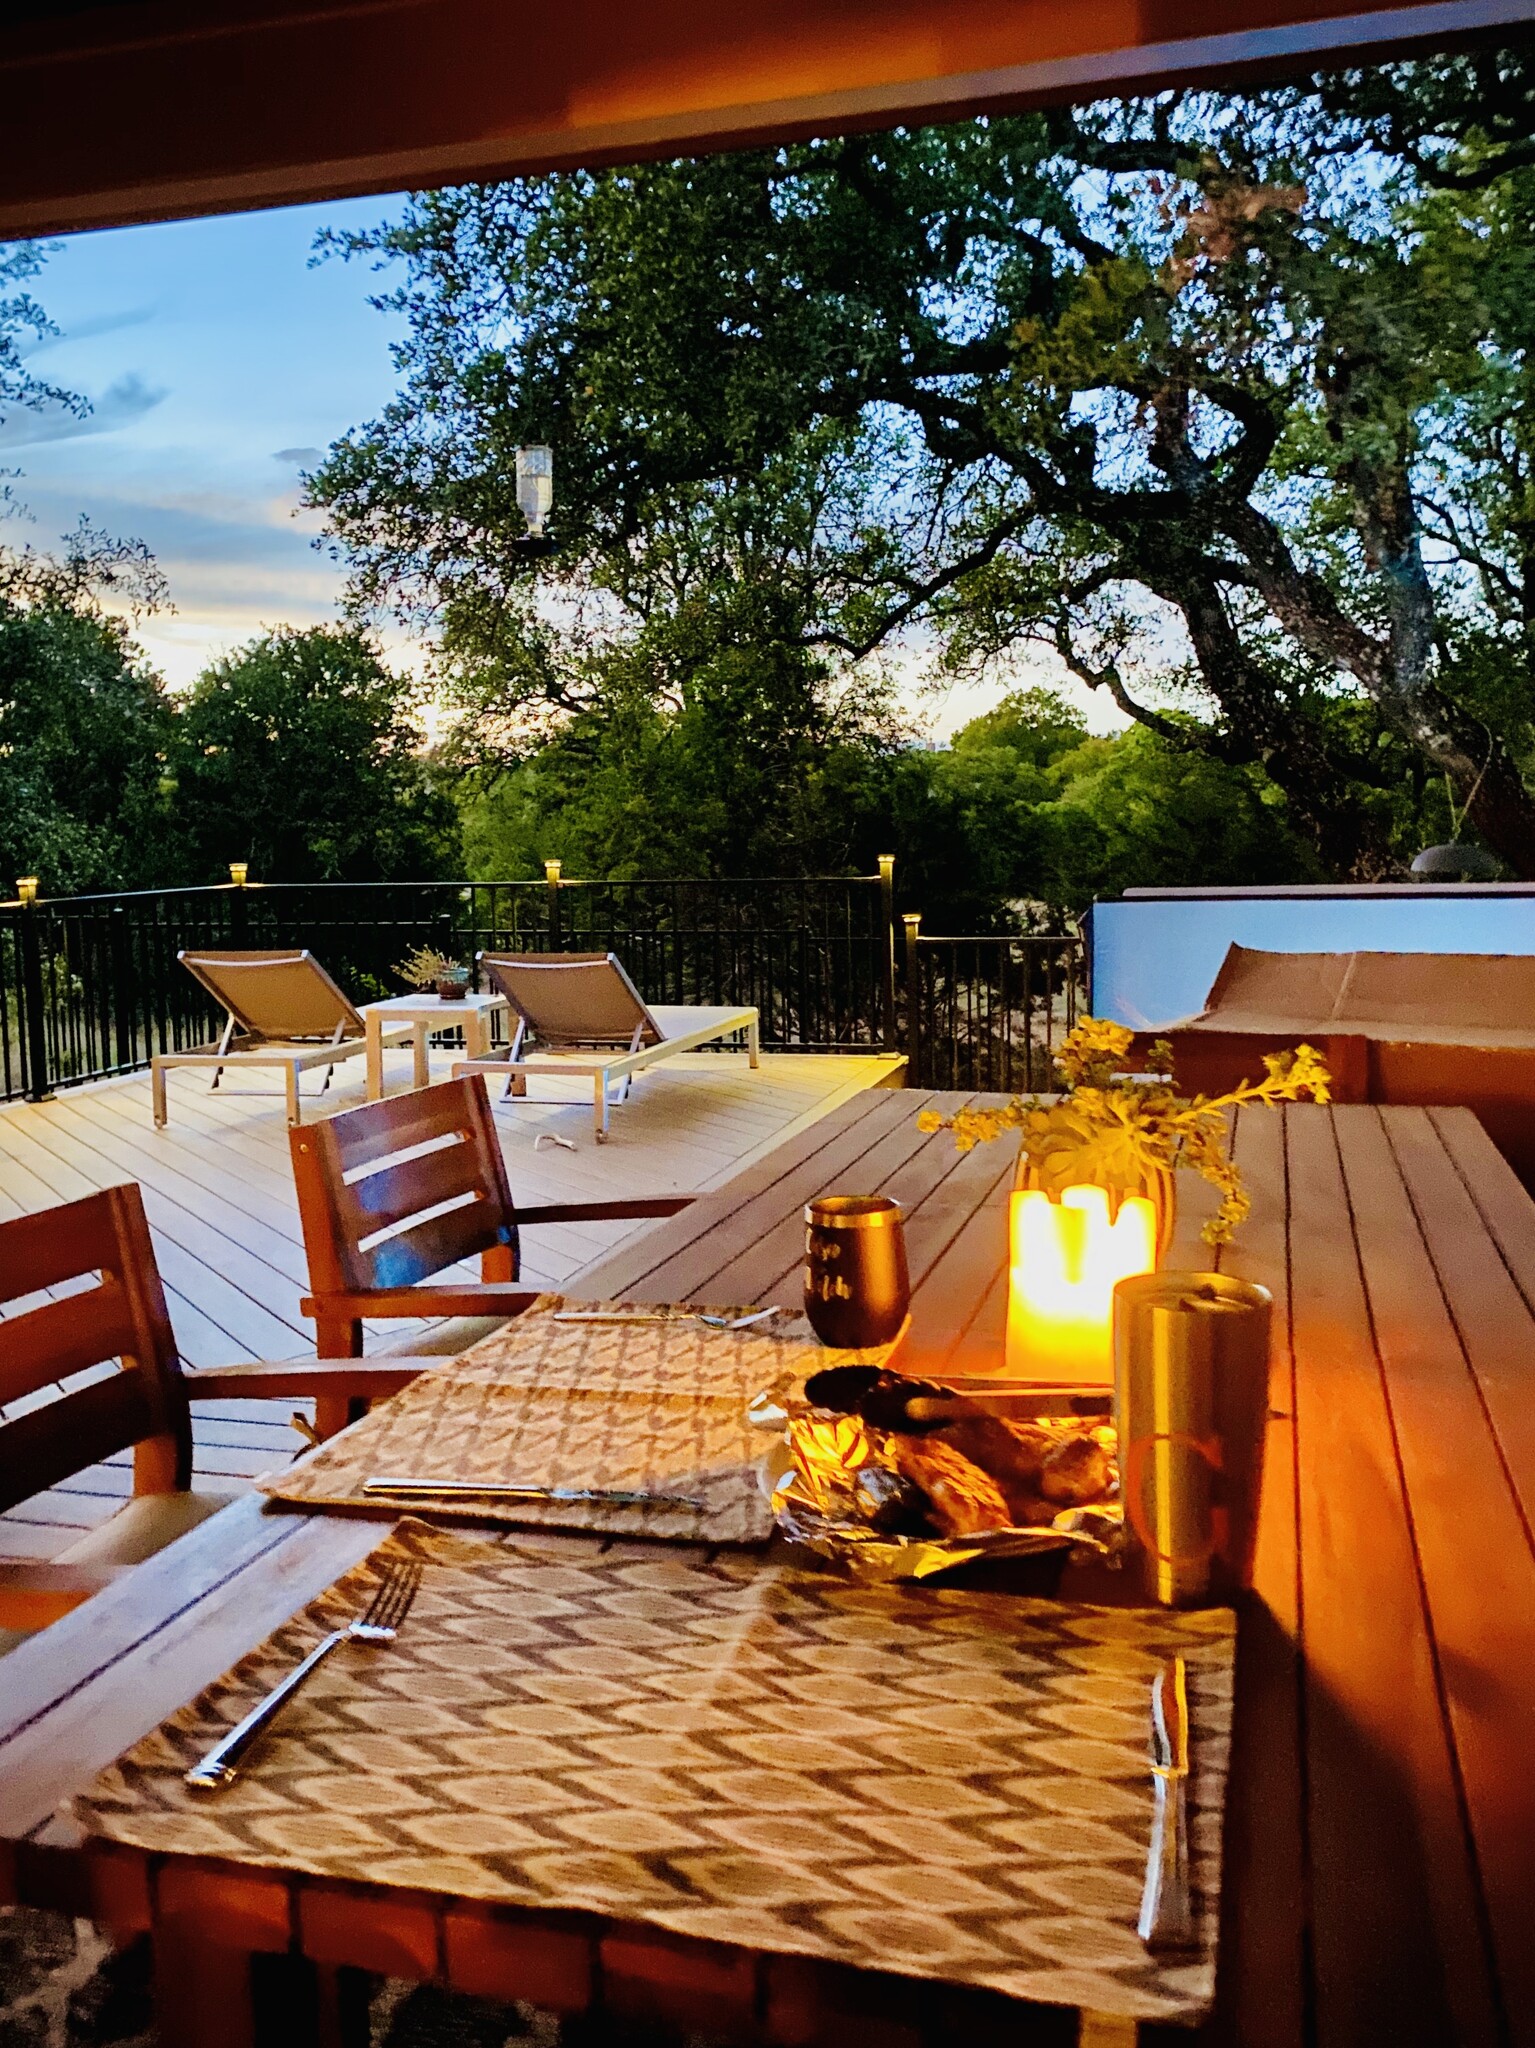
(368, 1379)
(606, 1212)
(33, 1595)
(463, 1298)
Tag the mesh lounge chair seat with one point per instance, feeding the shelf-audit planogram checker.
(579, 1013)
(284, 1011)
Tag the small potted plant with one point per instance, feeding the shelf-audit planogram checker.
(425, 968)
(1130, 1135)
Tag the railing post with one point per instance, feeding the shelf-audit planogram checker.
(239, 871)
(29, 937)
(122, 986)
(912, 920)
(887, 911)
(1080, 965)
(552, 879)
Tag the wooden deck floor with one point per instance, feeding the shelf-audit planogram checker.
(218, 1190)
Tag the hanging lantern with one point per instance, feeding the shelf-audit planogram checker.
(535, 487)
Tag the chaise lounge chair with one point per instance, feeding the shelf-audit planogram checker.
(582, 1015)
(284, 1011)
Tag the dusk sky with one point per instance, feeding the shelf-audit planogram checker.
(219, 362)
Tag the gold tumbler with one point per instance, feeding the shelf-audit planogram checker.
(856, 1287)
(1191, 1359)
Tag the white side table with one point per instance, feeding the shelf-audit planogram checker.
(426, 1014)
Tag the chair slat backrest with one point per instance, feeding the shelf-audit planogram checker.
(395, 1191)
(277, 995)
(119, 1320)
(573, 999)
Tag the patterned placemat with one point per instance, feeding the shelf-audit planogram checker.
(676, 1353)
(945, 1784)
(656, 1407)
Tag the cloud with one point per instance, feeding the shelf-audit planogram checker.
(87, 330)
(119, 405)
(301, 458)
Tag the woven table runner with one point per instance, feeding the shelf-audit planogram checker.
(657, 1407)
(943, 1784)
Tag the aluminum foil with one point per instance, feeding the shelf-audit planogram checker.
(815, 1505)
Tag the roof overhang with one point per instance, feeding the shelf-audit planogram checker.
(126, 111)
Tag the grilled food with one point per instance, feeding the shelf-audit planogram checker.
(962, 1500)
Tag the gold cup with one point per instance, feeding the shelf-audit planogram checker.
(1191, 1360)
(857, 1290)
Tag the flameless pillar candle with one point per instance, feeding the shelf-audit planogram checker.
(1066, 1259)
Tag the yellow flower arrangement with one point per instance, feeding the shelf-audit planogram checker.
(1128, 1134)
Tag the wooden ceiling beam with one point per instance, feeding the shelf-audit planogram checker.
(126, 111)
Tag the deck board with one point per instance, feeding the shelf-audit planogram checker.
(1261, 1987)
(218, 1192)
(1382, 1795)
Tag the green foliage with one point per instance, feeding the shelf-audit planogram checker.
(750, 773)
(299, 755)
(83, 719)
(1021, 826)
(1137, 812)
(1037, 725)
(83, 724)
(1223, 401)
(1200, 391)
(1021, 822)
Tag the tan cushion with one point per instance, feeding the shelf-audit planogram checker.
(145, 1525)
(447, 1340)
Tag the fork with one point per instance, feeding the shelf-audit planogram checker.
(379, 1624)
(1166, 1919)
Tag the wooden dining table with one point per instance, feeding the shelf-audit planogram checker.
(1379, 1848)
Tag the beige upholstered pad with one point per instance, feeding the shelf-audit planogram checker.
(940, 1783)
(143, 1526)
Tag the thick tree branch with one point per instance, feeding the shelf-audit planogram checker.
(1107, 677)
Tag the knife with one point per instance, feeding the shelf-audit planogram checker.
(1167, 1919)
(617, 1315)
(466, 1489)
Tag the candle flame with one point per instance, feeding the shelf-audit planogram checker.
(1067, 1257)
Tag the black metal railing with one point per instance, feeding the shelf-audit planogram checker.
(988, 1013)
(90, 986)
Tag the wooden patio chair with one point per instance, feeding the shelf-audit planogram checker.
(94, 1372)
(284, 1011)
(395, 1192)
(584, 1016)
